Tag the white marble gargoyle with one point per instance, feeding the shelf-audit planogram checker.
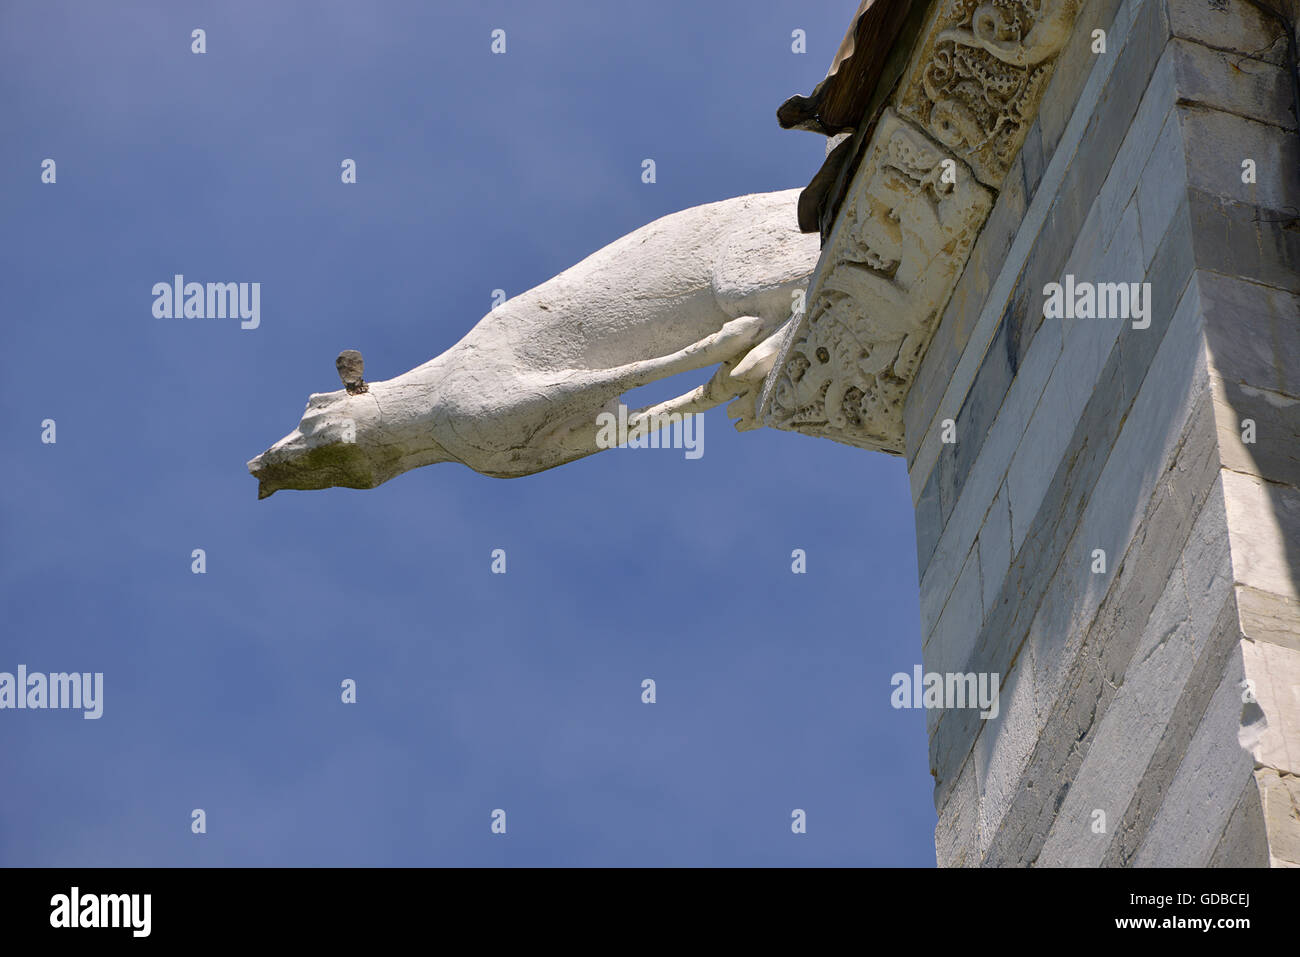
(522, 391)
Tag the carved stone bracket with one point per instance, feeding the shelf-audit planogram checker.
(917, 201)
(903, 234)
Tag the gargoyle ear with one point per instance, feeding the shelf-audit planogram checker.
(351, 368)
(800, 113)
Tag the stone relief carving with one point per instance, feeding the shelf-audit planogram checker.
(904, 234)
(969, 95)
(979, 75)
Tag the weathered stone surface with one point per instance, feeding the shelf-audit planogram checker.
(956, 837)
(1078, 68)
(1147, 186)
(1207, 564)
(1162, 189)
(1004, 745)
(1217, 142)
(1154, 423)
(929, 526)
(1031, 160)
(995, 549)
(982, 405)
(1280, 794)
(1087, 348)
(1264, 519)
(1237, 240)
(1267, 358)
(946, 645)
(1244, 842)
(1269, 617)
(1133, 726)
(1274, 674)
(1127, 734)
(1170, 274)
(1115, 110)
(1138, 580)
(1271, 420)
(1238, 27)
(1136, 153)
(1232, 83)
(1111, 479)
(986, 475)
(1194, 812)
(1145, 803)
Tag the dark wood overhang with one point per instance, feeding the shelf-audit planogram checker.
(863, 74)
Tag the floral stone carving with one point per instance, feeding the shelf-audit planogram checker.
(979, 75)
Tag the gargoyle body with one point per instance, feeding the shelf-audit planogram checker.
(523, 390)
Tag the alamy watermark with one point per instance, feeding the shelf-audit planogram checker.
(76, 909)
(179, 299)
(83, 691)
(654, 430)
(1101, 300)
(947, 690)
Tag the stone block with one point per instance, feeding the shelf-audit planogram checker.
(1135, 152)
(1162, 188)
(1032, 160)
(1004, 745)
(1280, 798)
(1078, 66)
(1194, 812)
(991, 464)
(1207, 564)
(1232, 83)
(1244, 842)
(1274, 675)
(1154, 423)
(1269, 617)
(1170, 273)
(1264, 525)
(1228, 26)
(1218, 142)
(995, 549)
(1182, 725)
(1127, 734)
(1270, 420)
(946, 646)
(1269, 356)
(983, 403)
(956, 837)
(1243, 241)
(929, 526)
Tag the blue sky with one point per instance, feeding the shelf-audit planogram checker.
(475, 691)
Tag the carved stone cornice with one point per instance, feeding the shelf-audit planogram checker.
(926, 184)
